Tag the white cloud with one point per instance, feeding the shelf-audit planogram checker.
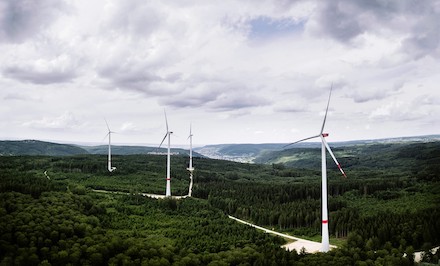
(66, 121)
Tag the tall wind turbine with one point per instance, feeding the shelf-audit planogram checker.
(325, 236)
(190, 168)
(109, 134)
(168, 134)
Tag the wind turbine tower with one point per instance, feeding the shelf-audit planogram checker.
(167, 134)
(109, 165)
(324, 145)
(190, 167)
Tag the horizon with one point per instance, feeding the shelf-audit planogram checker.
(185, 146)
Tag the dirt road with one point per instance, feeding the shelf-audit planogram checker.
(298, 244)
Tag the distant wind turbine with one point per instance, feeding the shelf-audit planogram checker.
(109, 134)
(168, 134)
(325, 235)
(190, 167)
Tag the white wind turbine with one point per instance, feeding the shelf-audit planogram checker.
(325, 236)
(168, 134)
(109, 134)
(190, 167)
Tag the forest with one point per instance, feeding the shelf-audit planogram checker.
(383, 212)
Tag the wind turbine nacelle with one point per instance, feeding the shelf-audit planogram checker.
(325, 135)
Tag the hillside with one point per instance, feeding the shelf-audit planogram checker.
(131, 150)
(258, 152)
(405, 157)
(36, 147)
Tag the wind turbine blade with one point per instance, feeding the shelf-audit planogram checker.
(326, 110)
(300, 141)
(166, 120)
(190, 132)
(333, 156)
(107, 125)
(163, 140)
(105, 136)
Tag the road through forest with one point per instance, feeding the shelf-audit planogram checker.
(298, 244)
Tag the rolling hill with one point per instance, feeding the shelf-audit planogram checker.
(259, 153)
(131, 150)
(417, 158)
(36, 147)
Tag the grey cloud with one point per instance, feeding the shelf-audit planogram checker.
(426, 100)
(138, 79)
(425, 40)
(363, 95)
(191, 98)
(36, 76)
(22, 19)
(226, 102)
(135, 18)
(215, 96)
(369, 95)
(128, 79)
(196, 91)
(344, 20)
(185, 102)
(16, 97)
(290, 108)
(341, 24)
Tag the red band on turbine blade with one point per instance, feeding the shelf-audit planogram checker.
(325, 221)
(342, 171)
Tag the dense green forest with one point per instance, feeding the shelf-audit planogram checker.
(49, 214)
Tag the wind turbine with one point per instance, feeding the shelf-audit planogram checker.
(168, 134)
(109, 134)
(325, 236)
(190, 168)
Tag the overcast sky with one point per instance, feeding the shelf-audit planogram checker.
(239, 71)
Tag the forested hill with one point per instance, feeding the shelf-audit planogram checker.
(131, 150)
(416, 158)
(258, 152)
(36, 147)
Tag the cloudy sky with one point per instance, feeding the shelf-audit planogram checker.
(239, 71)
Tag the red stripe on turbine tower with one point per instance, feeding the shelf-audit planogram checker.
(168, 178)
(324, 221)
